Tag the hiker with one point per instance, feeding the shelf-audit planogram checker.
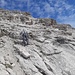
(24, 36)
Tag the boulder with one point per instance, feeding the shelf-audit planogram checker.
(40, 39)
(22, 51)
(30, 22)
(61, 40)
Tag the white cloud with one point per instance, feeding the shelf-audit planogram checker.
(48, 8)
(65, 12)
(3, 3)
(67, 19)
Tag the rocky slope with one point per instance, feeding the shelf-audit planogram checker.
(51, 49)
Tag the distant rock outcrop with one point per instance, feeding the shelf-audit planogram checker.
(14, 16)
(62, 26)
(47, 21)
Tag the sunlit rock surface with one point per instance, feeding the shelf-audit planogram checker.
(51, 49)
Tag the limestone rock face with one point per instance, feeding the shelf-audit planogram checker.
(47, 21)
(51, 49)
(62, 26)
(14, 16)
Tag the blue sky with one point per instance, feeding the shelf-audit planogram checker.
(61, 10)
